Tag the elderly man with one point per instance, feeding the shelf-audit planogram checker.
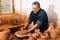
(39, 17)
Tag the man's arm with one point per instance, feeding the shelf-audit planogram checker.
(29, 21)
(26, 25)
(38, 23)
(34, 27)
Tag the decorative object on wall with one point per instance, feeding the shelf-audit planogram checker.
(6, 6)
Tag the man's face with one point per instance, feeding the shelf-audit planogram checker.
(35, 8)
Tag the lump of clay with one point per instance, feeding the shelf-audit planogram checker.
(20, 33)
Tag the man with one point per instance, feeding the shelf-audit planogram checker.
(39, 17)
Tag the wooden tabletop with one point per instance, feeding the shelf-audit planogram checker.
(10, 26)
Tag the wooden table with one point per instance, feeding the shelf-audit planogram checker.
(13, 28)
(10, 26)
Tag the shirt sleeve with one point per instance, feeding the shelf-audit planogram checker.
(40, 19)
(30, 18)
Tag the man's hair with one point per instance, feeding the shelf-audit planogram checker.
(36, 3)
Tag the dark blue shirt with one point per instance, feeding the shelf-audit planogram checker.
(39, 18)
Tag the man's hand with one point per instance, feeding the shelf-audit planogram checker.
(34, 27)
(26, 31)
(26, 25)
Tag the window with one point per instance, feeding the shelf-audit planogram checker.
(6, 6)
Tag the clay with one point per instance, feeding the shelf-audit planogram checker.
(21, 32)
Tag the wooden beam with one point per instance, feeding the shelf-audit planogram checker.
(13, 6)
(0, 7)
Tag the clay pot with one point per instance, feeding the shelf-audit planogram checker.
(36, 35)
(58, 30)
(40, 39)
(37, 30)
(44, 36)
(53, 35)
(4, 34)
(51, 30)
(31, 38)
